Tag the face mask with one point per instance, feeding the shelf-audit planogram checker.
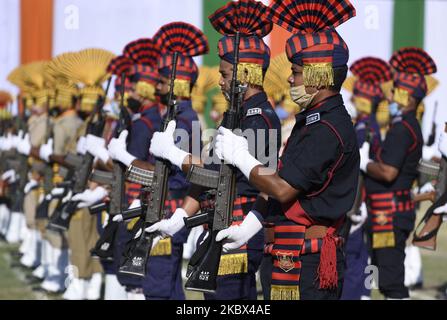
(394, 109)
(133, 104)
(301, 97)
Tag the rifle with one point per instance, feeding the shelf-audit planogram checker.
(135, 262)
(104, 246)
(82, 167)
(204, 265)
(432, 137)
(426, 237)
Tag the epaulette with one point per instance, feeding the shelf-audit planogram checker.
(312, 118)
(253, 112)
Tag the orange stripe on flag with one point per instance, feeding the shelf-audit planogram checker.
(36, 30)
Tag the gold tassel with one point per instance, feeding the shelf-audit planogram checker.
(420, 111)
(401, 96)
(163, 248)
(57, 178)
(145, 90)
(383, 114)
(250, 73)
(383, 240)
(182, 88)
(363, 105)
(318, 75)
(131, 223)
(90, 96)
(233, 264)
(285, 292)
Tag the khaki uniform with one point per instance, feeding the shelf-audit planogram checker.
(83, 235)
(37, 129)
(65, 128)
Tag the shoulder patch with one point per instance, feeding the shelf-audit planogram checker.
(136, 117)
(312, 118)
(396, 120)
(360, 126)
(253, 112)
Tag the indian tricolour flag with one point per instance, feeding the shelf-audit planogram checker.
(39, 29)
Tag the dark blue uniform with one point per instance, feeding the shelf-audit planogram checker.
(367, 129)
(391, 213)
(258, 116)
(163, 279)
(144, 124)
(321, 159)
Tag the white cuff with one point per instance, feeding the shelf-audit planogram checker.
(246, 163)
(176, 156)
(126, 158)
(364, 165)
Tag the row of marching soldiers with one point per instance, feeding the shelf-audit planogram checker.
(293, 224)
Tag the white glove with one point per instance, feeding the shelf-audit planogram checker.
(163, 146)
(359, 220)
(233, 149)
(46, 150)
(135, 204)
(54, 193)
(67, 197)
(81, 147)
(441, 209)
(30, 185)
(24, 145)
(429, 152)
(96, 146)
(236, 236)
(90, 197)
(16, 138)
(117, 149)
(7, 143)
(364, 156)
(169, 227)
(442, 145)
(426, 188)
(9, 176)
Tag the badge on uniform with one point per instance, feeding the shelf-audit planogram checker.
(285, 261)
(253, 112)
(312, 118)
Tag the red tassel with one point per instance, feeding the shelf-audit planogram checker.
(327, 270)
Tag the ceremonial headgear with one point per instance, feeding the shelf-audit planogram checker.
(315, 45)
(188, 41)
(249, 17)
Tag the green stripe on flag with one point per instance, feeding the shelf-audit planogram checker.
(408, 23)
(209, 6)
(212, 58)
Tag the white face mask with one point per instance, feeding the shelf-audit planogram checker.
(394, 109)
(301, 97)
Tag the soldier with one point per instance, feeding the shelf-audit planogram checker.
(163, 281)
(368, 73)
(390, 206)
(236, 277)
(89, 68)
(63, 134)
(315, 184)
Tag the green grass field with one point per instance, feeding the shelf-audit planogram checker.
(14, 287)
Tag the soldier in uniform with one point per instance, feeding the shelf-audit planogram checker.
(391, 213)
(368, 73)
(236, 277)
(65, 123)
(88, 67)
(163, 281)
(315, 184)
